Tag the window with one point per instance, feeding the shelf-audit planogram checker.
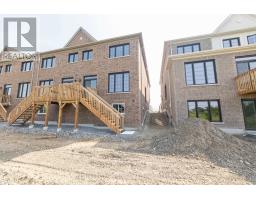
(90, 81)
(68, 80)
(26, 66)
(119, 50)
(48, 62)
(7, 89)
(8, 68)
(251, 39)
(205, 109)
(145, 92)
(119, 107)
(188, 48)
(199, 73)
(87, 55)
(245, 64)
(72, 57)
(232, 42)
(23, 90)
(119, 82)
(1, 69)
(46, 82)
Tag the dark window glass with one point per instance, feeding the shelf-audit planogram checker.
(46, 82)
(26, 66)
(249, 111)
(87, 55)
(233, 42)
(119, 82)
(23, 90)
(208, 110)
(8, 68)
(215, 111)
(189, 74)
(119, 107)
(119, 50)
(67, 80)
(188, 48)
(245, 66)
(198, 73)
(72, 57)
(251, 39)
(48, 62)
(1, 69)
(90, 81)
(192, 109)
(7, 89)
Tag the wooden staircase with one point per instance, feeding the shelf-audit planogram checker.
(3, 113)
(63, 94)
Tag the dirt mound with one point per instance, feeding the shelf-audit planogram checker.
(198, 138)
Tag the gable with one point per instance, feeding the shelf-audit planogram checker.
(236, 22)
(80, 37)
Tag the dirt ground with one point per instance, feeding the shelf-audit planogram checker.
(45, 159)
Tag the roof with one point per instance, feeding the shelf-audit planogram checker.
(82, 35)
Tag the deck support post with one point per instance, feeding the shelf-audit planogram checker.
(46, 115)
(33, 115)
(76, 105)
(60, 116)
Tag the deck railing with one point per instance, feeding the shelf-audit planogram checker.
(246, 82)
(5, 100)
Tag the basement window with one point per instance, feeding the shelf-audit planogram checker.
(205, 109)
(120, 107)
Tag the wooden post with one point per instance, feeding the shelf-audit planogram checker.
(33, 114)
(46, 114)
(76, 105)
(60, 115)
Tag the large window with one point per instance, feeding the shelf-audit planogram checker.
(119, 82)
(7, 89)
(72, 57)
(120, 107)
(67, 80)
(245, 64)
(46, 82)
(231, 42)
(23, 90)
(188, 48)
(8, 68)
(251, 39)
(48, 62)
(26, 66)
(90, 81)
(202, 72)
(119, 50)
(205, 109)
(87, 55)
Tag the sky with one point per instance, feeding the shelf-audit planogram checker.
(54, 31)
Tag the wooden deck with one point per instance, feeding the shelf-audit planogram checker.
(246, 82)
(63, 94)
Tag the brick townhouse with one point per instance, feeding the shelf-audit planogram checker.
(115, 68)
(213, 76)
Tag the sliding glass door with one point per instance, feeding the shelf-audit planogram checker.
(249, 110)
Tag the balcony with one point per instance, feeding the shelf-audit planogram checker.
(246, 82)
(5, 100)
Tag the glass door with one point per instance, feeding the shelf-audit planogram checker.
(249, 110)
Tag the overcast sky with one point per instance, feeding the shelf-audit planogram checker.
(54, 31)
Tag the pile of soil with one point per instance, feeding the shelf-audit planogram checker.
(200, 138)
